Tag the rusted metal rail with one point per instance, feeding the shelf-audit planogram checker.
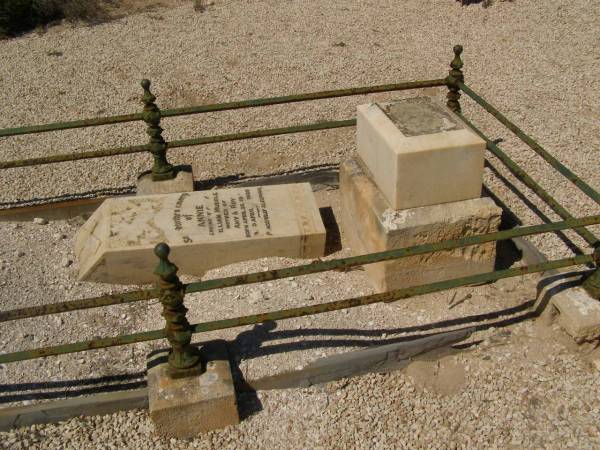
(118, 151)
(297, 312)
(524, 177)
(171, 291)
(227, 106)
(305, 269)
(555, 163)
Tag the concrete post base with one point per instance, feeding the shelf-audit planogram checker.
(186, 407)
(371, 225)
(183, 182)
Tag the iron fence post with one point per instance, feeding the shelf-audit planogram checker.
(184, 359)
(592, 283)
(454, 76)
(161, 170)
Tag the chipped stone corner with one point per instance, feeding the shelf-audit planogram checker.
(562, 300)
(578, 314)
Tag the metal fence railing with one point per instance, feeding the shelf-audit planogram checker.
(171, 291)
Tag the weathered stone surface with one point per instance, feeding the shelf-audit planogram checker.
(579, 314)
(65, 409)
(419, 152)
(186, 407)
(205, 229)
(378, 359)
(183, 182)
(371, 225)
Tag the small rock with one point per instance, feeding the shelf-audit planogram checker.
(66, 262)
(40, 221)
(19, 253)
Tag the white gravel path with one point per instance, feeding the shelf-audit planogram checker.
(537, 61)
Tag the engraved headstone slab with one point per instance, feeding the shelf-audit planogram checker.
(205, 230)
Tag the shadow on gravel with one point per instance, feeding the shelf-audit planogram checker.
(111, 383)
(319, 175)
(253, 344)
(562, 236)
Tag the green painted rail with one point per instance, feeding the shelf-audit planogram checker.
(305, 269)
(523, 176)
(297, 312)
(117, 151)
(56, 126)
(561, 168)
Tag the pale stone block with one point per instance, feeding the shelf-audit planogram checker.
(183, 182)
(419, 152)
(371, 225)
(186, 407)
(579, 314)
(205, 230)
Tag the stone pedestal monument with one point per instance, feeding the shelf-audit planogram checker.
(417, 180)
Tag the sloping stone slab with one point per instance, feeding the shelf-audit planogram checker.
(59, 410)
(205, 230)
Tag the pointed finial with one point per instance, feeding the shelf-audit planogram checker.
(457, 62)
(165, 269)
(148, 98)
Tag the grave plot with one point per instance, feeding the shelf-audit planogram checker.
(413, 218)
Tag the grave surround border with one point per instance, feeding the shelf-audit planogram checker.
(158, 147)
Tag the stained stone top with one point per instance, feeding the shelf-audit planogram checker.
(419, 152)
(205, 229)
(419, 115)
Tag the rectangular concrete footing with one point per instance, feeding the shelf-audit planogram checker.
(183, 182)
(573, 309)
(371, 225)
(186, 407)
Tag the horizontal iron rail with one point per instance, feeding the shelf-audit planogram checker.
(223, 106)
(306, 269)
(296, 312)
(566, 172)
(522, 175)
(76, 305)
(370, 258)
(304, 97)
(327, 125)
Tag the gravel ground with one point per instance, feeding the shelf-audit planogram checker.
(524, 386)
